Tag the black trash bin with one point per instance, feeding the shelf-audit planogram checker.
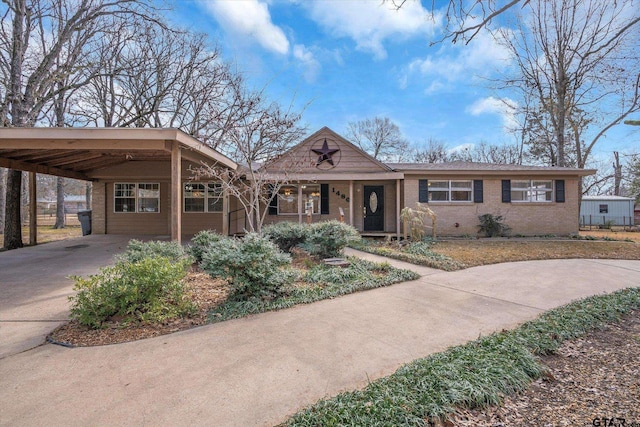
(85, 221)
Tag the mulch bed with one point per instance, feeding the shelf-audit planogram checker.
(204, 291)
(590, 378)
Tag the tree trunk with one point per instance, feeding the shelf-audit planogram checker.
(12, 225)
(3, 197)
(87, 194)
(60, 217)
(617, 174)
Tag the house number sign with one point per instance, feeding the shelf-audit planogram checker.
(340, 194)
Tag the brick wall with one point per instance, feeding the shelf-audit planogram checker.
(98, 199)
(524, 218)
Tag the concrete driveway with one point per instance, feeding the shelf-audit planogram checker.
(35, 286)
(260, 369)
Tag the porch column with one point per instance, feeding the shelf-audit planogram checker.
(176, 175)
(398, 209)
(351, 203)
(225, 212)
(33, 210)
(299, 203)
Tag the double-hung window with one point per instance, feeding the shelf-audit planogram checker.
(202, 197)
(136, 197)
(450, 191)
(531, 190)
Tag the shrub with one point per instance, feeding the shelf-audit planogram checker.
(137, 251)
(286, 235)
(201, 242)
(150, 289)
(329, 238)
(493, 225)
(252, 266)
(419, 248)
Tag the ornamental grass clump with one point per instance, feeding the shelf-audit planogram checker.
(253, 266)
(148, 290)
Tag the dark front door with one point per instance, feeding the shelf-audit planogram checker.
(373, 208)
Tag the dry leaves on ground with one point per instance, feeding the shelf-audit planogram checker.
(590, 378)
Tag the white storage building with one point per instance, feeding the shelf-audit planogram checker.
(606, 210)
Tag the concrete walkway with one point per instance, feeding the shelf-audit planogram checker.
(259, 370)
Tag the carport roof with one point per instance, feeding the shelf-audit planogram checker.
(75, 152)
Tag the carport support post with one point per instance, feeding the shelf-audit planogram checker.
(176, 174)
(33, 210)
(398, 209)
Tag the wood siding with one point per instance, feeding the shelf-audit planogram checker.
(349, 159)
(154, 223)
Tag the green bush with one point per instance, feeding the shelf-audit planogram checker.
(419, 248)
(329, 238)
(286, 235)
(493, 225)
(150, 289)
(201, 242)
(253, 267)
(137, 251)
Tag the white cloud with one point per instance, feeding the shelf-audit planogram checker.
(370, 23)
(251, 19)
(456, 63)
(461, 148)
(506, 108)
(308, 61)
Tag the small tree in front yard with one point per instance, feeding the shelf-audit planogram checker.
(260, 133)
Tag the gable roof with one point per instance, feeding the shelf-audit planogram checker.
(353, 159)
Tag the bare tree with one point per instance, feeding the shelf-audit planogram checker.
(578, 56)
(379, 137)
(633, 174)
(159, 77)
(259, 134)
(35, 36)
(433, 151)
(617, 173)
(465, 19)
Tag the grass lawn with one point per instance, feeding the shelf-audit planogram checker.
(455, 254)
(46, 233)
(492, 251)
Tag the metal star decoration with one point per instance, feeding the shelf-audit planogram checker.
(325, 153)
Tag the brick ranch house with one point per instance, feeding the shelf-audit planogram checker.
(143, 184)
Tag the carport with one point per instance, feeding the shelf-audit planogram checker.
(81, 153)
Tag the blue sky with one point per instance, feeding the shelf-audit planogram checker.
(348, 60)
